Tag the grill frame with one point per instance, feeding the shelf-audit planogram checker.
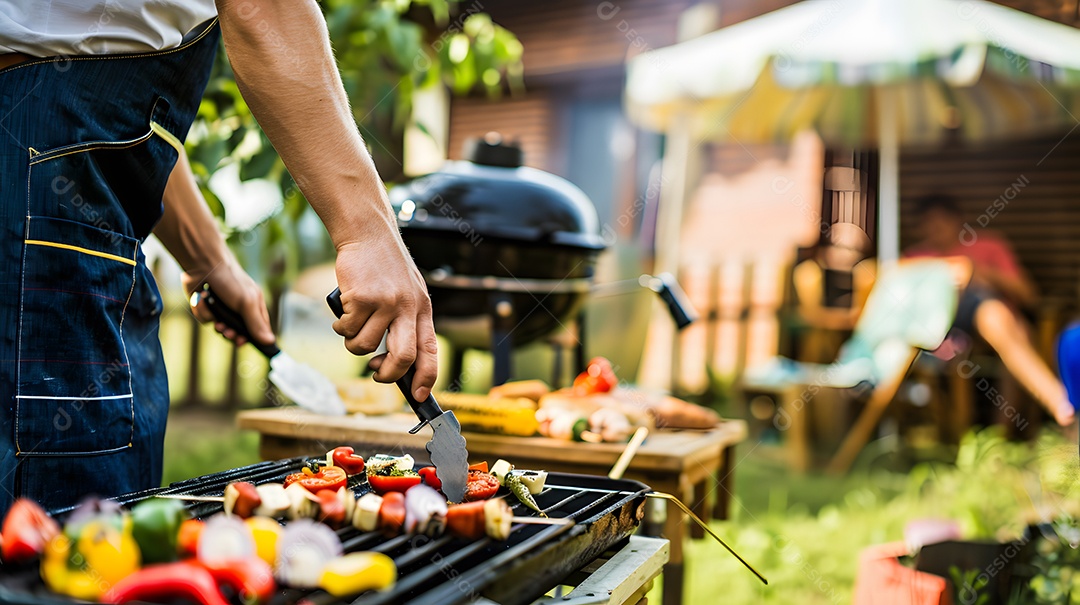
(439, 571)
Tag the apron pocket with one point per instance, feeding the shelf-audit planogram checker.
(73, 393)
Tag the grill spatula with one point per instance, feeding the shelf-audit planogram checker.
(447, 446)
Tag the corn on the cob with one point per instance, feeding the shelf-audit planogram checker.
(504, 416)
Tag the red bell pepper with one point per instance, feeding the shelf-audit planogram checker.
(330, 477)
(27, 529)
(345, 457)
(251, 578)
(394, 483)
(427, 474)
(598, 377)
(166, 583)
(187, 539)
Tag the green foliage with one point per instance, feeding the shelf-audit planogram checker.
(971, 579)
(386, 50)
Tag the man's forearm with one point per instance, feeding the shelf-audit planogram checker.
(187, 227)
(281, 56)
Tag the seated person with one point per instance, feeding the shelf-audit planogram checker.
(988, 306)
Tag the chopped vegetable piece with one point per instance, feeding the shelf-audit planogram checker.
(345, 458)
(27, 529)
(479, 466)
(187, 539)
(466, 520)
(425, 511)
(252, 579)
(303, 552)
(358, 572)
(498, 518)
(275, 502)
(366, 515)
(534, 480)
(330, 477)
(156, 527)
(383, 462)
(516, 487)
(501, 469)
(398, 482)
(481, 486)
(241, 499)
(101, 554)
(167, 583)
(331, 508)
(392, 513)
(302, 503)
(224, 539)
(598, 377)
(266, 532)
(427, 474)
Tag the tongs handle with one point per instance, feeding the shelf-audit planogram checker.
(426, 410)
(232, 320)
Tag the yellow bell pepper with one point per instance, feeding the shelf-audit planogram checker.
(357, 572)
(88, 565)
(266, 532)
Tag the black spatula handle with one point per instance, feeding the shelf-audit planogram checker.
(232, 320)
(426, 410)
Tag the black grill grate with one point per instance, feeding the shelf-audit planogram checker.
(444, 570)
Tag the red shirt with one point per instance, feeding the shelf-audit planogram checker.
(985, 249)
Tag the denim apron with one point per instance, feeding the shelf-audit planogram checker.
(86, 147)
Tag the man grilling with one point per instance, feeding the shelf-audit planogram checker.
(95, 100)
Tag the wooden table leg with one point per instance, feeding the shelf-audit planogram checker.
(700, 506)
(797, 436)
(725, 483)
(675, 532)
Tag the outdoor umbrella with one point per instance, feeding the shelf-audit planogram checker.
(866, 73)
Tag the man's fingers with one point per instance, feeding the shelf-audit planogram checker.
(427, 356)
(369, 336)
(400, 349)
(354, 319)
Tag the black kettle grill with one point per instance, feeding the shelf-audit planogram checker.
(508, 252)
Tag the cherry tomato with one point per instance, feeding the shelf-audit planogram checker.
(345, 457)
(392, 513)
(393, 483)
(427, 473)
(598, 377)
(481, 486)
(328, 477)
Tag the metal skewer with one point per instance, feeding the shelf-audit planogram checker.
(190, 498)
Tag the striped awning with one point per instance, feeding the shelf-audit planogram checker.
(955, 69)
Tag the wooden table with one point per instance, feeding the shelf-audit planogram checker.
(695, 466)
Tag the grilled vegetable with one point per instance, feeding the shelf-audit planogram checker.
(27, 529)
(329, 477)
(251, 578)
(425, 511)
(516, 487)
(345, 457)
(241, 499)
(187, 539)
(392, 513)
(428, 476)
(384, 463)
(95, 555)
(598, 377)
(167, 583)
(400, 481)
(501, 469)
(358, 572)
(156, 526)
(303, 552)
(466, 520)
(348, 501)
(534, 480)
(331, 508)
(275, 502)
(492, 415)
(366, 515)
(225, 539)
(481, 486)
(479, 466)
(302, 503)
(265, 532)
(498, 518)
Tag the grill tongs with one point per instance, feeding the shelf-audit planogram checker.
(447, 446)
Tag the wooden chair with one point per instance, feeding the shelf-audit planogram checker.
(910, 309)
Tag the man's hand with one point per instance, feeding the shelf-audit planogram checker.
(281, 56)
(381, 290)
(191, 234)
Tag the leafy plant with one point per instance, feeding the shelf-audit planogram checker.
(967, 583)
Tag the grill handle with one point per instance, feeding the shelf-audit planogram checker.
(232, 320)
(426, 410)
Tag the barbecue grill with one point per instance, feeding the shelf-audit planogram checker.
(433, 571)
(507, 251)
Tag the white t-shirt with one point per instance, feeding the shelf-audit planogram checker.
(44, 28)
